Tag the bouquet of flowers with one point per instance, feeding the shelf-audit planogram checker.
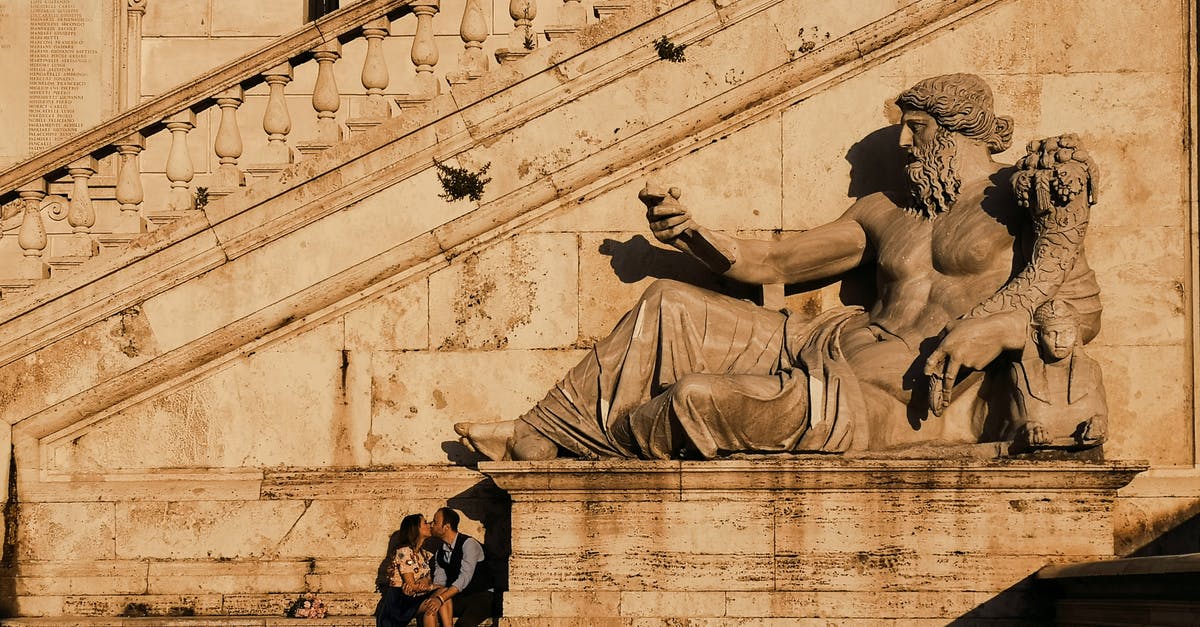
(307, 606)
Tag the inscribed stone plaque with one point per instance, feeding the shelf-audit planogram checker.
(51, 55)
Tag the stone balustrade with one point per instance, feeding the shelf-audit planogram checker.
(165, 159)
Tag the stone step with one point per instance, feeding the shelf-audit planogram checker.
(195, 621)
(187, 621)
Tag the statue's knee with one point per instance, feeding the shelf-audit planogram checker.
(667, 292)
(693, 387)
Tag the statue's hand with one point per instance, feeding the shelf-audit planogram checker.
(971, 343)
(667, 217)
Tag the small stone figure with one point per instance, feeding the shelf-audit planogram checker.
(1058, 393)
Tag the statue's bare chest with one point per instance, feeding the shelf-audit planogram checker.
(965, 241)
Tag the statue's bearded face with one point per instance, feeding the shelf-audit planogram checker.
(932, 166)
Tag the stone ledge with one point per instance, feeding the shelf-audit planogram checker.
(1129, 566)
(566, 480)
(192, 621)
(792, 538)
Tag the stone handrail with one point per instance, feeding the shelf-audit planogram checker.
(303, 40)
(97, 177)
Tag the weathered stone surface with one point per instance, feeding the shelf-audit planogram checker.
(118, 342)
(77, 577)
(1113, 72)
(705, 175)
(287, 399)
(616, 267)
(66, 532)
(531, 304)
(399, 320)
(226, 577)
(264, 275)
(416, 397)
(1147, 385)
(852, 151)
(1142, 311)
(272, 17)
(158, 605)
(203, 530)
(863, 540)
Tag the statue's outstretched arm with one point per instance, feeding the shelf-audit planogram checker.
(818, 253)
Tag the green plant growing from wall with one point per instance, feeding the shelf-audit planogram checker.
(201, 197)
(460, 183)
(668, 50)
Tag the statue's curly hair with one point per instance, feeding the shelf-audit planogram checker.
(1053, 310)
(961, 103)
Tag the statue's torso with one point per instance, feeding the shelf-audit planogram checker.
(931, 271)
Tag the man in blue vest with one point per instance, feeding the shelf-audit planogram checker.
(460, 567)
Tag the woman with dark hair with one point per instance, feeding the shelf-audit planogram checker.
(406, 579)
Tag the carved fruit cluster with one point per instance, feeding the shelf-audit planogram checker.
(1059, 168)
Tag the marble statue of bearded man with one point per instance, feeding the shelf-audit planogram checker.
(695, 374)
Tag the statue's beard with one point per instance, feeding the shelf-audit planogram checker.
(935, 182)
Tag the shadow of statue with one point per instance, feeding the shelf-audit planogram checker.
(877, 164)
(637, 259)
(491, 507)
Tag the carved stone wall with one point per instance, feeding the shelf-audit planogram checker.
(165, 487)
(741, 542)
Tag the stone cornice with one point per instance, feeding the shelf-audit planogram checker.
(685, 480)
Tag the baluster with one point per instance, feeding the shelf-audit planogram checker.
(81, 216)
(521, 41)
(326, 99)
(228, 143)
(31, 237)
(276, 121)
(129, 192)
(474, 31)
(424, 56)
(179, 166)
(374, 108)
(571, 17)
(375, 71)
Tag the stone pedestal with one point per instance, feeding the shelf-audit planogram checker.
(854, 541)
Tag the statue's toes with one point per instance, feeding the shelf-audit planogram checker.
(467, 443)
(463, 428)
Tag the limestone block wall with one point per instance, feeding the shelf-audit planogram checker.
(175, 491)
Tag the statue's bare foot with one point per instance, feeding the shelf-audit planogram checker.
(1036, 435)
(490, 439)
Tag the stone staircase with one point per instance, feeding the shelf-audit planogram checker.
(139, 479)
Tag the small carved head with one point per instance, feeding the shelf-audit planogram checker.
(1056, 329)
(961, 103)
